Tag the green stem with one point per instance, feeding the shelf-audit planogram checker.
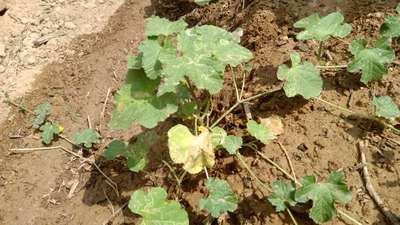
(291, 216)
(365, 115)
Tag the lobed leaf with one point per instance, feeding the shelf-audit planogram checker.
(260, 132)
(302, 79)
(386, 107)
(151, 49)
(218, 136)
(135, 153)
(323, 195)
(49, 131)
(391, 27)
(155, 209)
(41, 113)
(221, 198)
(321, 29)
(205, 51)
(156, 26)
(194, 152)
(87, 137)
(232, 144)
(136, 101)
(372, 62)
(283, 195)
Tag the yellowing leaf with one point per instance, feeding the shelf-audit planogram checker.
(274, 123)
(194, 152)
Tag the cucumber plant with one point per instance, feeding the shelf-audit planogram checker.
(304, 79)
(175, 74)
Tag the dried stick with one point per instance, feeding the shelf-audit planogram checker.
(115, 213)
(28, 150)
(370, 188)
(289, 161)
(103, 111)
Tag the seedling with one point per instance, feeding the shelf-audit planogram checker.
(155, 209)
(323, 196)
(221, 198)
(321, 29)
(391, 27)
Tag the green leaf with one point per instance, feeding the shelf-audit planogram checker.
(41, 113)
(321, 29)
(386, 107)
(156, 26)
(232, 144)
(391, 27)
(87, 137)
(218, 136)
(151, 50)
(135, 153)
(323, 196)
(49, 130)
(283, 195)
(202, 2)
(194, 152)
(371, 61)
(302, 79)
(155, 209)
(136, 101)
(135, 62)
(204, 53)
(221, 198)
(259, 131)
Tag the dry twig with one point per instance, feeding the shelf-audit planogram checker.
(289, 161)
(362, 145)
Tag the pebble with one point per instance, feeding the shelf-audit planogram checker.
(2, 69)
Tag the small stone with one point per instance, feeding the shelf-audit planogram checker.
(302, 147)
(2, 69)
(31, 60)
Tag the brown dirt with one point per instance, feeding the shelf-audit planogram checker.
(34, 187)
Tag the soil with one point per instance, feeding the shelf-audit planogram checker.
(52, 187)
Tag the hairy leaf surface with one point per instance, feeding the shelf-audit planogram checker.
(372, 62)
(87, 137)
(136, 101)
(156, 26)
(49, 131)
(41, 113)
(221, 198)
(260, 132)
(135, 153)
(155, 209)
(283, 195)
(323, 195)
(302, 79)
(321, 29)
(232, 144)
(386, 107)
(391, 27)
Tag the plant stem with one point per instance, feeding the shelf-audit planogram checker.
(291, 216)
(243, 101)
(206, 172)
(366, 115)
(298, 183)
(332, 67)
(320, 49)
(241, 160)
(278, 167)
